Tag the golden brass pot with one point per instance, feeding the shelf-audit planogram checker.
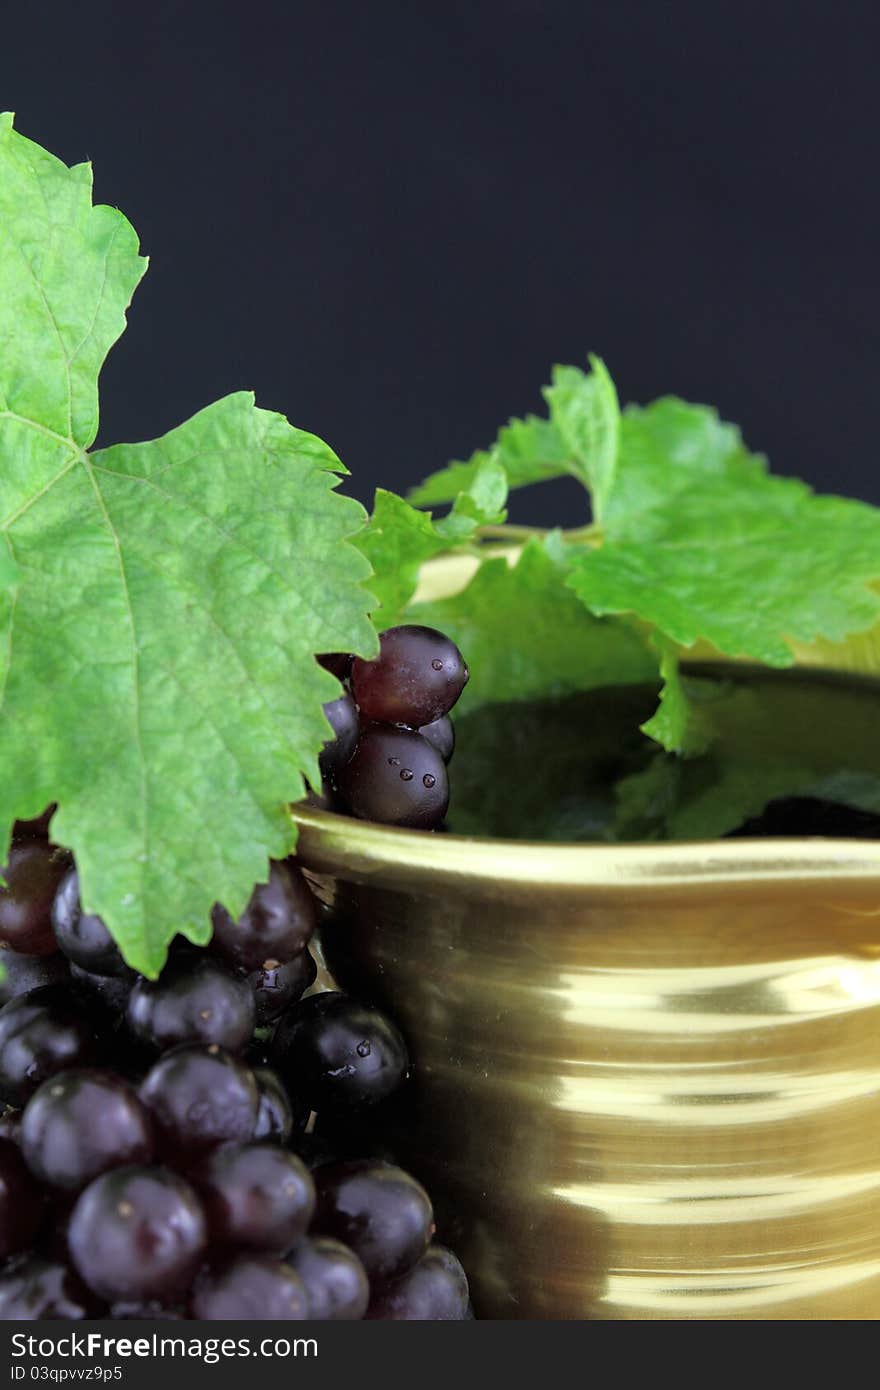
(648, 1075)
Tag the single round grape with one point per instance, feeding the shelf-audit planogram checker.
(256, 1288)
(380, 1211)
(81, 935)
(32, 872)
(337, 663)
(255, 1196)
(336, 1282)
(440, 735)
(106, 993)
(342, 715)
(436, 1289)
(275, 1117)
(137, 1233)
(276, 924)
(41, 1033)
(81, 1124)
(21, 1203)
(196, 999)
(23, 973)
(200, 1097)
(276, 987)
(416, 678)
(44, 1290)
(397, 778)
(338, 1053)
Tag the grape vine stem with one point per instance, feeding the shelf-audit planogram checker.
(582, 535)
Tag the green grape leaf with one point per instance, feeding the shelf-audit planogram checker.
(703, 545)
(482, 503)
(397, 542)
(9, 572)
(158, 677)
(580, 438)
(400, 539)
(586, 414)
(526, 636)
(529, 451)
(681, 722)
(765, 747)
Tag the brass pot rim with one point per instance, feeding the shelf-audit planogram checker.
(329, 840)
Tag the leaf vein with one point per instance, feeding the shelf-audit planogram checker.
(135, 660)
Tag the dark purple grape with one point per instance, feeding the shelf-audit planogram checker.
(23, 973)
(35, 827)
(21, 1203)
(382, 1213)
(276, 987)
(416, 678)
(255, 1196)
(335, 1281)
(342, 715)
(337, 663)
(196, 999)
(81, 1124)
(81, 935)
(440, 735)
(41, 1033)
(397, 778)
(200, 1097)
(337, 1053)
(275, 1117)
(106, 993)
(137, 1233)
(277, 923)
(255, 1288)
(44, 1290)
(435, 1289)
(33, 872)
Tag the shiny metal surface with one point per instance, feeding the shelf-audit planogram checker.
(648, 1075)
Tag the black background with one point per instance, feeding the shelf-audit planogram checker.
(390, 219)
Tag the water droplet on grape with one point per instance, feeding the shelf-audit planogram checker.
(364, 1049)
(437, 664)
(406, 774)
(428, 780)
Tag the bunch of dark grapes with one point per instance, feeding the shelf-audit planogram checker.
(393, 737)
(156, 1154)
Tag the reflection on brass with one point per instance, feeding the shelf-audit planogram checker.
(648, 1075)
